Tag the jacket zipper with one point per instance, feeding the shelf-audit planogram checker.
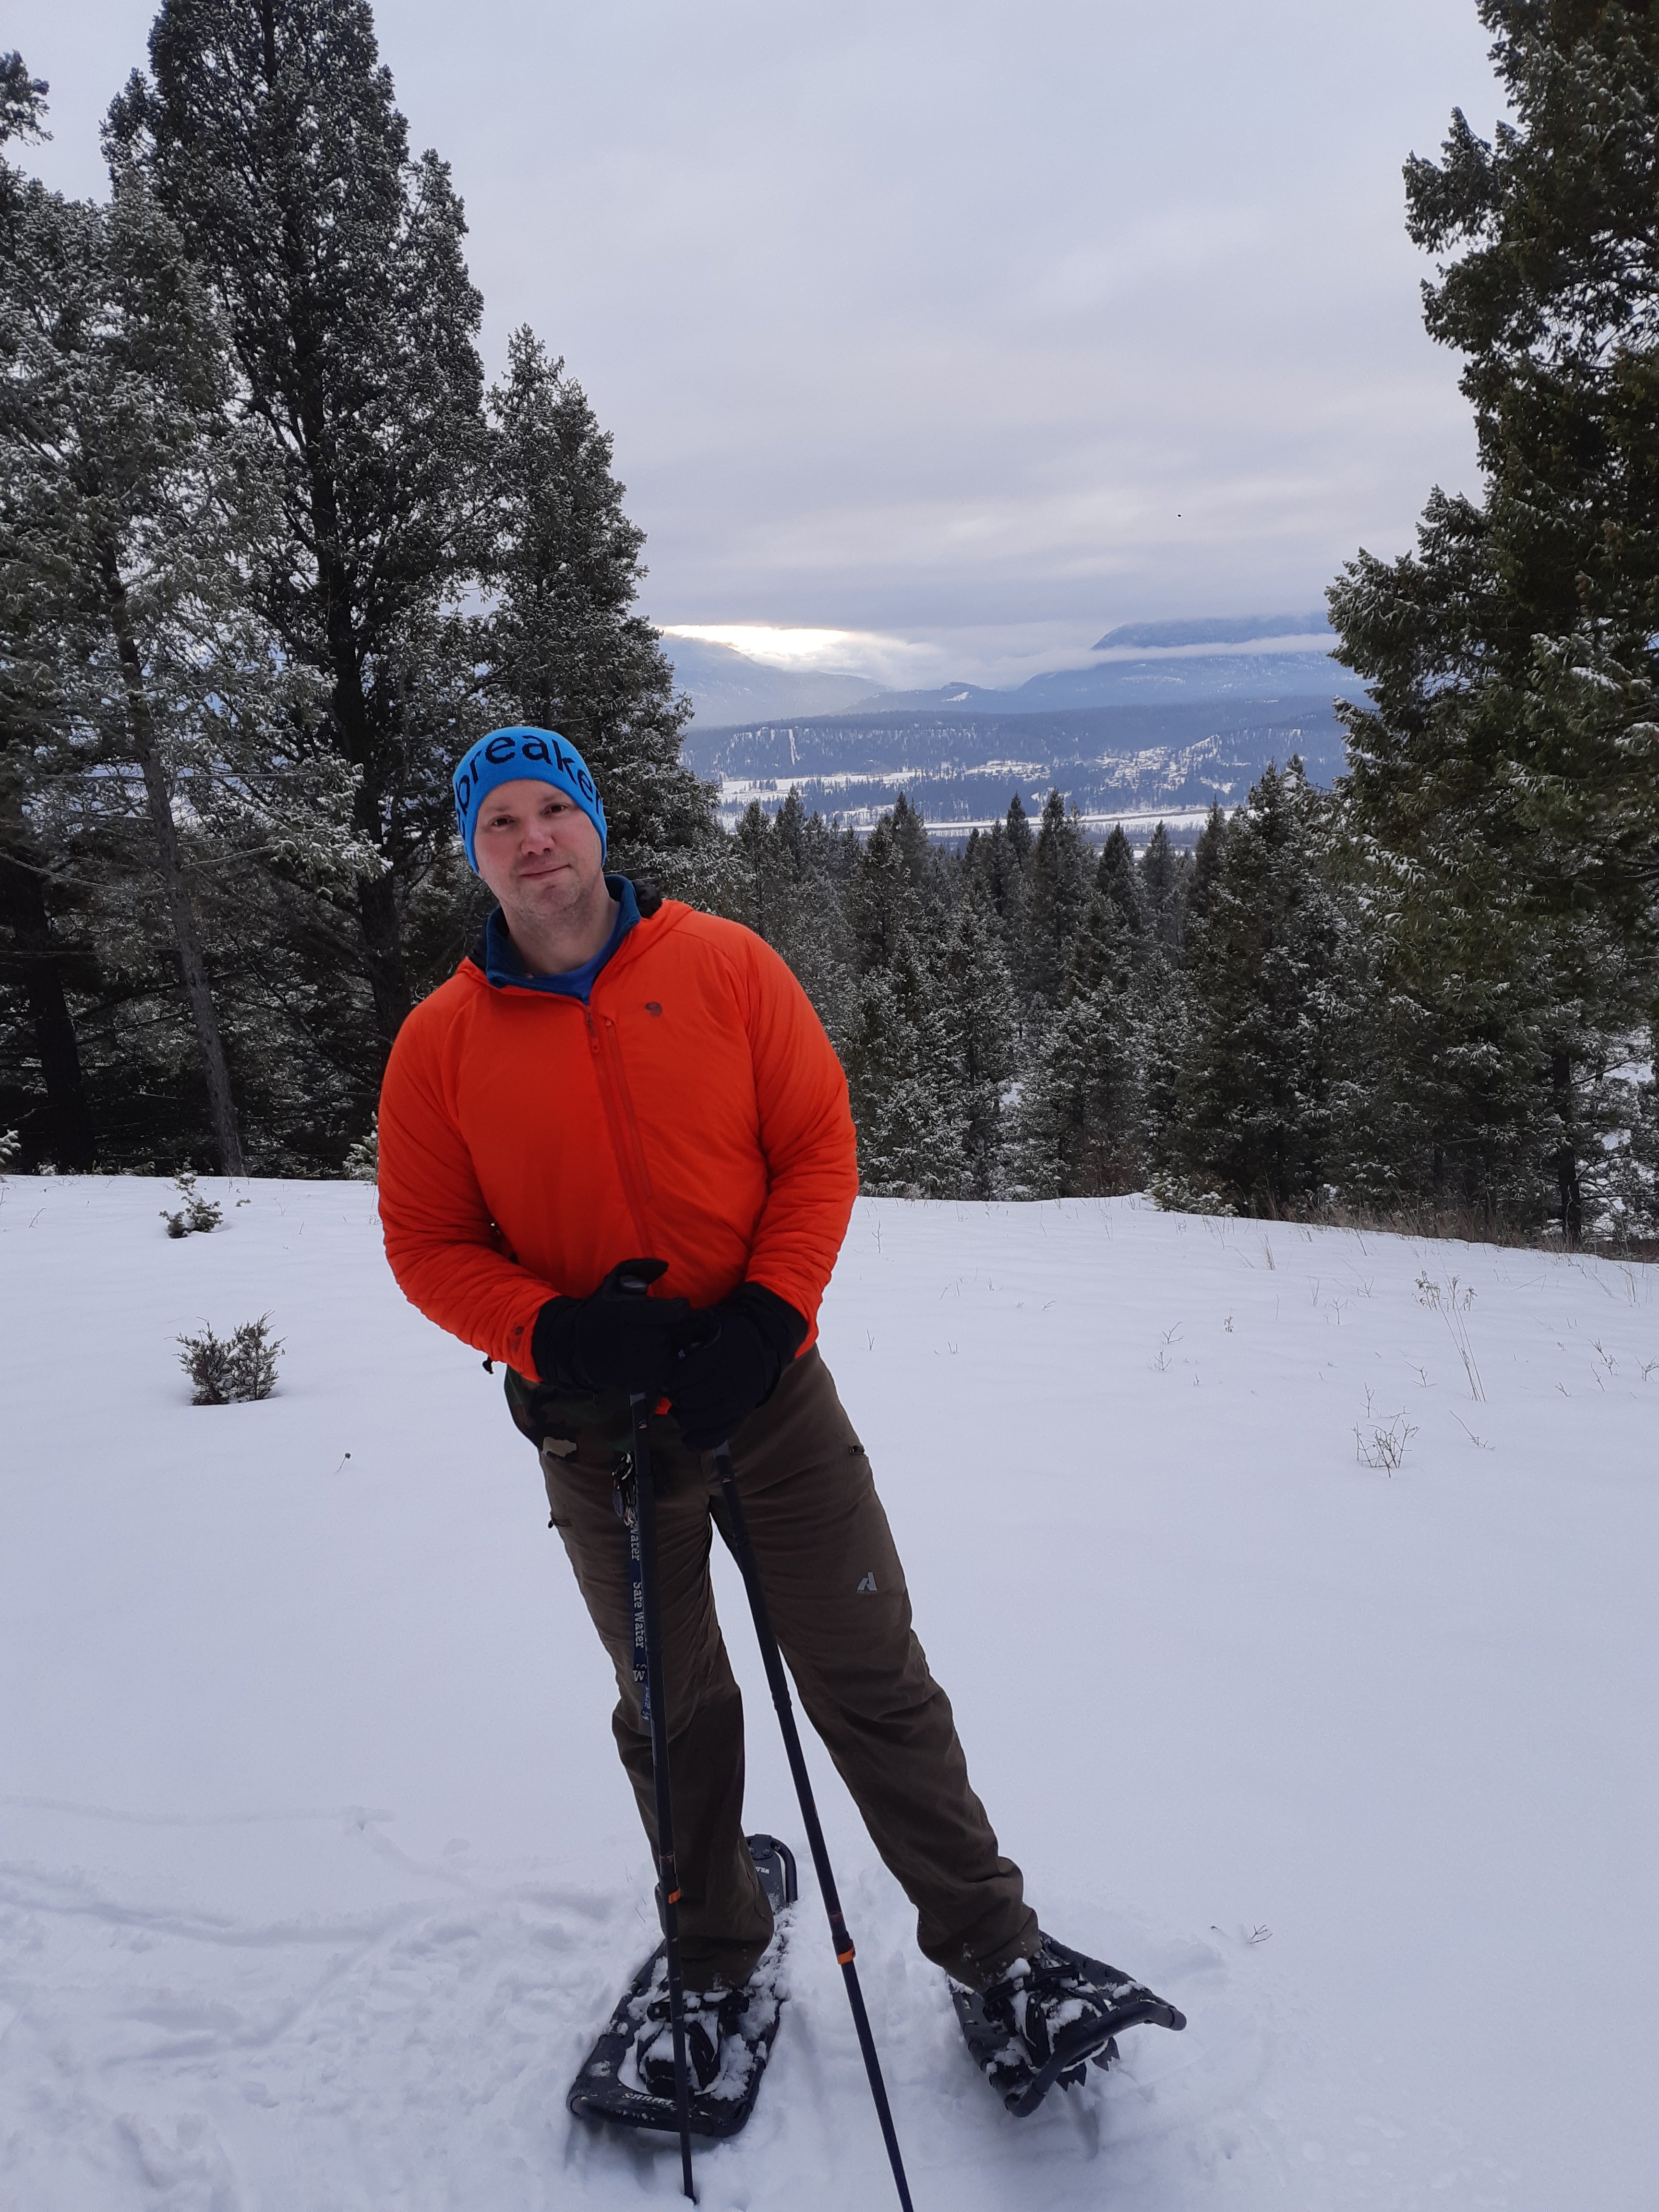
(619, 1117)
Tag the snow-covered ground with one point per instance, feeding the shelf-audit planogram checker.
(317, 1874)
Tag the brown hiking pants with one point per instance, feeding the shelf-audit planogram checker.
(841, 1615)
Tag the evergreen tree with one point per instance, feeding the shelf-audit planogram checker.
(1076, 1130)
(1117, 879)
(1163, 873)
(1057, 875)
(916, 848)
(1251, 1120)
(129, 522)
(978, 1005)
(55, 1121)
(1018, 830)
(766, 875)
(894, 890)
(1505, 754)
(907, 1087)
(267, 128)
(998, 862)
(565, 651)
(788, 892)
(1479, 1078)
(909, 1098)
(1206, 865)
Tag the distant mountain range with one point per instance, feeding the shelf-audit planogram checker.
(1137, 764)
(1175, 678)
(1213, 629)
(728, 687)
(1184, 717)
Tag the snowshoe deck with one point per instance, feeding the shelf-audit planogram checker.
(1007, 2065)
(609, 2087)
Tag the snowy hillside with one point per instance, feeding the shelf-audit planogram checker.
(1131, 764)
(317, 1872)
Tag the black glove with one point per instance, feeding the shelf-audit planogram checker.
(729, 1361)
(618, 1339)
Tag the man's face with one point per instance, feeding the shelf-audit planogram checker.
(536, 850)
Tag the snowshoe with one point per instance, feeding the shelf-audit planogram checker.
(1047, 2017)
(629, 2076)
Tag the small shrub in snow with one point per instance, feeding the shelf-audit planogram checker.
(11, 1150)
(226, 1371)
(362, 1162)
(196, 1216)
(1384, 1447)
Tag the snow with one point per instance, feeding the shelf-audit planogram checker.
(318, 1875)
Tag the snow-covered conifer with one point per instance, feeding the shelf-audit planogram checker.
(566, 651)
(269, 135)
(1057, 875)
(978, 1002)
(1251, 1110)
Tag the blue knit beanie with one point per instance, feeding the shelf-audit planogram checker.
(505, 755)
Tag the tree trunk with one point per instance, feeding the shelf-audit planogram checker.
(388, 971)
(67, 1124)
(378, 917)
(1566, 1157)
(186, 933)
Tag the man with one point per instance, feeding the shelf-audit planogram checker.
(611, 1084)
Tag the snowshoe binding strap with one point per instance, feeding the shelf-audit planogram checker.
(1060, 2009)
(709, 2016)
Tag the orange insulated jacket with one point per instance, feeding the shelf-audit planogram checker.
(693, 1110)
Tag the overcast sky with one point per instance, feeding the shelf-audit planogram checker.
(983, 327)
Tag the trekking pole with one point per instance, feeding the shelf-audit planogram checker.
(743, 1551)
(648, 1628)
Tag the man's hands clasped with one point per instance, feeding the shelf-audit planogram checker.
(619, 1338)
(713, 1363)
(723, 1372)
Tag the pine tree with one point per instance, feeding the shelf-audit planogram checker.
(905, 1037)
(893, 893)
(1077, 1127)
(1057, 875)
(1250, 1127)
(1163, 873)
(1018, 830)
(978, 1005)
(57, 1126)
(1206, 865)
(125, 514)
(784, 875)
(267, 130)
(1506, 755)
(997, 861)
(814, 936)
(1480, 1081)
(1116, 879)
(565, 651)
(909, 1098)
(766, 877)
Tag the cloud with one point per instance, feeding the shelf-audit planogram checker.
(892, 662)
(954, 316)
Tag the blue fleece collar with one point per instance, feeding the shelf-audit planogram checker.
(502, 965)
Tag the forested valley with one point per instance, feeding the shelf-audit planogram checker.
(273, 552)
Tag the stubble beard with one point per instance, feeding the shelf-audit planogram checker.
(562, 902)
